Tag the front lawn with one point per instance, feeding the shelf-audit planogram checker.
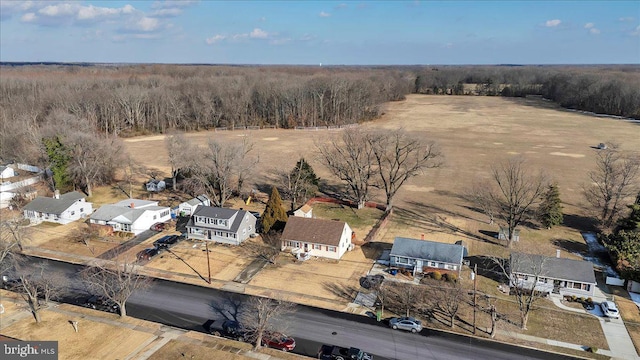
(361, 221)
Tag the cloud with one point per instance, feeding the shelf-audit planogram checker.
(635, 32)
(263, 19)
(258, 34)
(146, 24)
(626, 19)
(589, 25)
(592, 28)
(594, 31)
(166, 12)
(306, 37)
(92, 12)
(28, 17)
(281, 41)
(215, 38)
(341, 6)
(169, 4)
(10, 8)
(552, 23)
(324, 14)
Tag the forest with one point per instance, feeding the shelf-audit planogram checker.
(128, 100)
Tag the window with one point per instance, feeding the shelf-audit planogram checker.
(73, 213)
(401, 260)
(433, 264)
(81, 210)
(332, 248)
(317, 247)
(155, 217)
(586, 287)
(577, 285)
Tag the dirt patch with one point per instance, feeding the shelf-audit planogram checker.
(568, 155)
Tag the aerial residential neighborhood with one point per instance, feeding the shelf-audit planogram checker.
(317, 180)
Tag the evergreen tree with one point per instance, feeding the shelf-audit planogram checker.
(301, 183)
(550, 209)
(274, 216)
(59, 159)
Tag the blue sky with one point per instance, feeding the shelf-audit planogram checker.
(327, 32)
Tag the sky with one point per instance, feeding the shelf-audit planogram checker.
(322, 32)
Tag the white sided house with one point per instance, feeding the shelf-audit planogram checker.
(131, 215)
(304, 211)
(317, 237)
(188, 207)
(6, 172)
(227, 226)
(552, 275)
(61, 209)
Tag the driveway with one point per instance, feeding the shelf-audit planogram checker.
(614, 330)
(108, 255)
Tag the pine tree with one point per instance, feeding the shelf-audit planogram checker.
(274, 216)
(301, 183)
(59, 159)
(550, 210)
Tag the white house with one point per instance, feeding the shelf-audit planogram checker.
(6, 172)
(156, 185)
(188, 207)
(131, 215)
(61, 209)
(305, 211)
(317, 237)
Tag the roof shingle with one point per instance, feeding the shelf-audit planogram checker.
(317, 231)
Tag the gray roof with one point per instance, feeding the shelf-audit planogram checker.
(553, 267)
(110, 212)
(137, 203)
(200, 199)
(219, 213)
(51, 205)
(427, 250)
(2, 167)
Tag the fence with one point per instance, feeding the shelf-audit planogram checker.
(307, 128)
(16, 185)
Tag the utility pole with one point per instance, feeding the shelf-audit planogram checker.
(475, 287)
(206, 245)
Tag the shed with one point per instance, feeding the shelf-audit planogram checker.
(6, 172)
(156, 185)
(306, 211)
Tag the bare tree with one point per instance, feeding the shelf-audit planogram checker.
(261, 315)
(400, 157)
(269, 248)
(180, 151)
(614, 182)
(479, 195)
(12, 238)
(116, 281)
(525, 273)
(448, 299)
(220, 166)
(38, 285)
(405, 296)
(511, 194)
(93, 159)
(351, 159)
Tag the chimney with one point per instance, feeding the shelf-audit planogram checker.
(133, 205)
(558, 253)
(422, 237)
(56, 194)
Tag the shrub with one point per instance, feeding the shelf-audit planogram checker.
(451, 277)
(592, 349)
(574, 298)
(583, 299)
(589, 300)
(436, 275)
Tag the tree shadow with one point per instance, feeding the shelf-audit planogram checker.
(228, 306)
(487, 267)
(580, 223)
(571, 246)
(346, 292)
(373, 249)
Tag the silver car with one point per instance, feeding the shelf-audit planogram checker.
(406, 323)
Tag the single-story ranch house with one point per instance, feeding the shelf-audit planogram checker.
(553, 275)
(228, 226)
(317, 237)
(61, 209)
(422, 256)
(131, 215)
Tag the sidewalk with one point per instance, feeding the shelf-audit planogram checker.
(552, 342)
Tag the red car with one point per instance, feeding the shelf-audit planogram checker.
(158, 227)
(278, 341)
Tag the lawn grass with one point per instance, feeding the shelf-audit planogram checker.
(634, 333)
(176, 349)
(360, 220)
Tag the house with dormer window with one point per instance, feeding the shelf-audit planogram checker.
(227, 226)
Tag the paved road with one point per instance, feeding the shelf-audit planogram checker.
(192, 307)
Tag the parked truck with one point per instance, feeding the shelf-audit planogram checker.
(332, 352)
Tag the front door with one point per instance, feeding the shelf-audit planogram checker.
(306, 247)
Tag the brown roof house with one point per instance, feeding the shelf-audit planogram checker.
(305, 211)
(317, 237)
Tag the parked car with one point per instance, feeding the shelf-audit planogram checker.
(166, 242)
(406, 323)
(609, 309)
(278, 341)
(331, 352)
(101, 303)
(147, 254)
(227, 328)
(158, 227)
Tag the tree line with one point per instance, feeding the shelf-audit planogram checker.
(609, 90)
